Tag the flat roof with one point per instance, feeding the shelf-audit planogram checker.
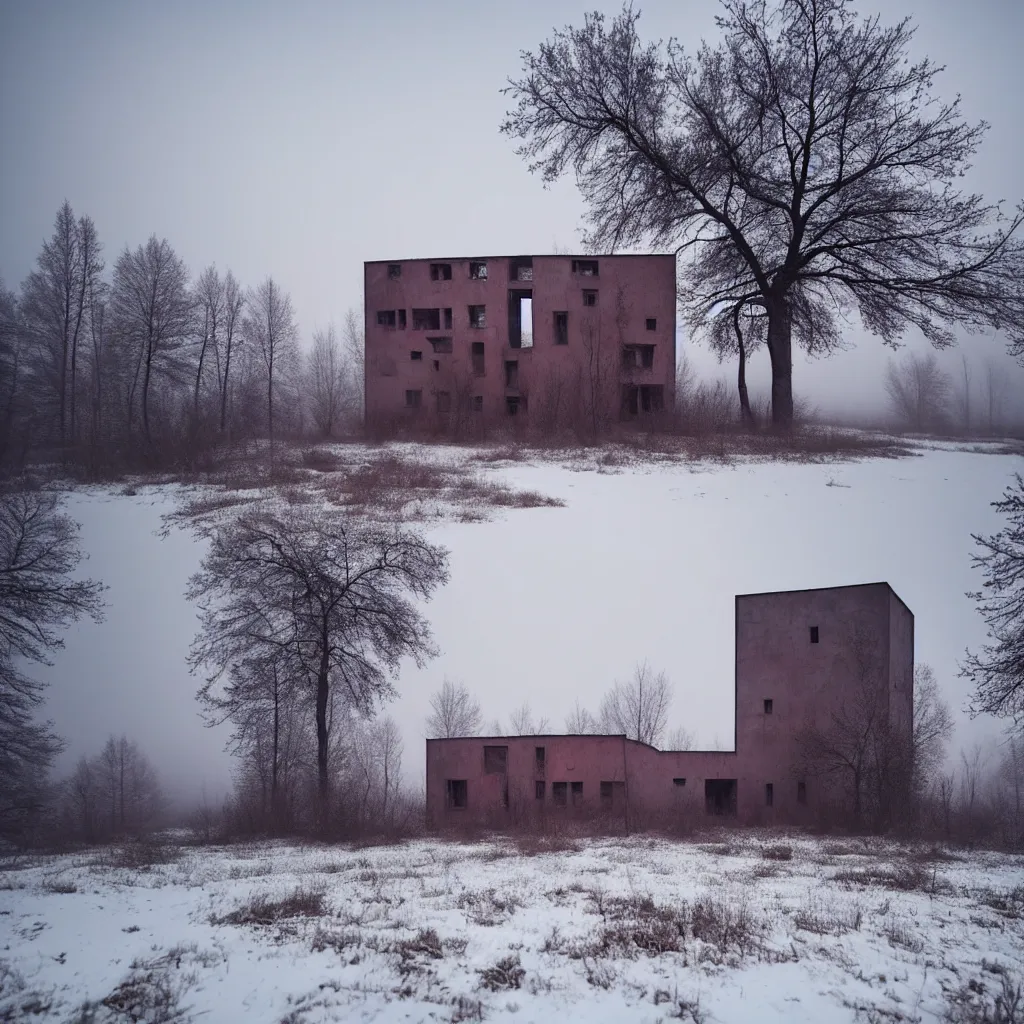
(532, 256)
(817, 590)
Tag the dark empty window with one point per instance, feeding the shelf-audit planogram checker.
(416, 356)
(652, 323)
(589, 297)
(814, 634)
(577, 794)
(539, 759)
(478, 403)
(511, 373)
(801, 792)
(385, 318)
(456, 793)
(478, 271)
(447, 319)
(437, 364)
(767, 705)
(440, 271)
(769, 794)
(478, 358)
(520, 268)
(514, 404)
(585, 268)
(413, 399)
(495, 760)
(477, 316)
(444, 402)
(637, 357)
(679, 782)
(401, 319)
(394, 270)
(562, 328)
(440, 344)
(426, 319)
(538, 789)
(560, 792)
(720, 796)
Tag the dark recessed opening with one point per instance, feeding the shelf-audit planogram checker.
(814, 634)
(652, 323)
(801, 792)
(416, 356)
(560, 792)
(456, 793)
(769, 794)
(538, 789)
(394, 270)
(768, 705)
(720, 796)
(679, 782)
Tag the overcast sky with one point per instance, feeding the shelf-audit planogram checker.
(301, 139)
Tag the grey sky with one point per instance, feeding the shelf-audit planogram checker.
(300, 139)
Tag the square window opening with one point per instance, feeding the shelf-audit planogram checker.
(478, 270)
(413, 399)
(426, 319)
(814, 634)
(720, 797)
(589, 297)
(585, 268)
(440, 271)
(394, 271)
(652, 323)
(495, 760)
(515, 404)
(385, 318)
(478, 316)
(416, 355)
(520, 268)
(456, 794)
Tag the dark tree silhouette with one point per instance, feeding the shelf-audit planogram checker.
(38, 552)
(803, 163)
(998, 671)
(327, 593)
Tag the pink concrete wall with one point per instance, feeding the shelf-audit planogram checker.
(552, 377)
(865, 636)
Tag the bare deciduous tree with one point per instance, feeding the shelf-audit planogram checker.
(919, 391)
(271, 331)
(998, 671)
(453, 712)
(679, 738)
(580, 722)
(522, 722)
(933, 726)
(328, 592)
(152, 311)
(803, 159)
(355, 360)
(38, 597)
(639, 707)
(325, 374)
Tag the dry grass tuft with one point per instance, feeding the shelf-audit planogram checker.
(506, 974)
(260, 910)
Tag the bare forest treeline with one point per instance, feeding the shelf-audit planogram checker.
(130, 362)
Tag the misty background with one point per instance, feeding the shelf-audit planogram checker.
(302, 140)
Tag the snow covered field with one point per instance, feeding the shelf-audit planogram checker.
(735, 927)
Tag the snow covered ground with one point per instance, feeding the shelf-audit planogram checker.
(730, 928)
(553, 604)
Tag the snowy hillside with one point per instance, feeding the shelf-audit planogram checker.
(551, 604)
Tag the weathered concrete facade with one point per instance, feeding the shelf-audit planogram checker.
(457, 344)
(804, 660)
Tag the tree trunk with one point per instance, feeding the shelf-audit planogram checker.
(746, 415)
(145, 388)
(274, 809)
(224, 390)
(322, 692)
(780, 349)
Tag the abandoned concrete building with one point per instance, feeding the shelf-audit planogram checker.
(456, 344)
(805, 660)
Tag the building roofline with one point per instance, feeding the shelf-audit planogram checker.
(530, 255)
(816, 590)
(572, 736)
